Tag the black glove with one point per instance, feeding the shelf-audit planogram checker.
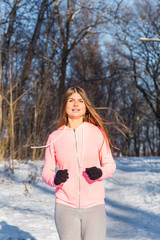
(94, 173)
(61, 176)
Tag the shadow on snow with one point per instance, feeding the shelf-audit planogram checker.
(10, 232)
(139, 164)
(133, 220)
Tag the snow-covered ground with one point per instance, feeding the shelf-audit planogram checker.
(132, 202)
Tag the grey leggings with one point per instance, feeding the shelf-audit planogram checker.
(80, 224)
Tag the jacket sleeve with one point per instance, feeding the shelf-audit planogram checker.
(108, 164)
(48, 172)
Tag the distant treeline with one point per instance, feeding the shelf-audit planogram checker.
(47, 46)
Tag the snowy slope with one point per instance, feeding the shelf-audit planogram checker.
(132, 202)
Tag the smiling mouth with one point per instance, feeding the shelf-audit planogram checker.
(75, 110)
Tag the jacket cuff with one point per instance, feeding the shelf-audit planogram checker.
(107, 170)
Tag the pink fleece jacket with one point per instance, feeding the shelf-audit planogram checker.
(77, 150)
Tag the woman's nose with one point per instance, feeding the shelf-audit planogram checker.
(75, 103)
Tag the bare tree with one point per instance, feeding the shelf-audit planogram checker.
(10, 30)
(75, 24)
(142, 20)
(41, 39)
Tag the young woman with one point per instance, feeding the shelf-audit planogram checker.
(81, 149)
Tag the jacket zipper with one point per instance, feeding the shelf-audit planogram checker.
(79, 192)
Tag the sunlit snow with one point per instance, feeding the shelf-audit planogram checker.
(132, 201)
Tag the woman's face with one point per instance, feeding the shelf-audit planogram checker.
(75, 107)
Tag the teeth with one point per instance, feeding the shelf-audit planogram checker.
(75, 110)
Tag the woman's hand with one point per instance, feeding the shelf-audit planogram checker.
(61, 176)
(94, 173)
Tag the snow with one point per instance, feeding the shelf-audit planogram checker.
(132, 201)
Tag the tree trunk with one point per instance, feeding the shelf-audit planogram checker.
(1, 151)
(35, 132)
(158, 118)
(61, 89)
(32, 45)
(8, 35)
(11, 128)
(1, 98)
(158, 151)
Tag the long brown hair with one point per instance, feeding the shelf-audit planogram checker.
(91, 114)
